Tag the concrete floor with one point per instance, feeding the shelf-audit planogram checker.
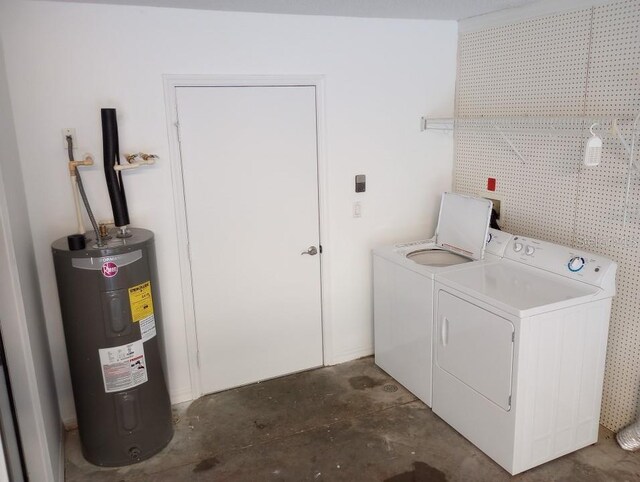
(349, 422)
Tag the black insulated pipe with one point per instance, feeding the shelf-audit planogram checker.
(111, 158)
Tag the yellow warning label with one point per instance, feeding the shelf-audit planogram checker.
(140, 301)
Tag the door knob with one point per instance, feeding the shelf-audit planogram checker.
(312, 251)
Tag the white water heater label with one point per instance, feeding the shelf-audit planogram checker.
(123, 367)
(148, 327)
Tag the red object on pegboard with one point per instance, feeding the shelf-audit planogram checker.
(491, 184)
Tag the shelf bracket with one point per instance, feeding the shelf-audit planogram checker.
(627, 148)
(508, 141)
(433, 124)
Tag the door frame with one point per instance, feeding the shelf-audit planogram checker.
(171, 82)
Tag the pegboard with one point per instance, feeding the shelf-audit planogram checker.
(580, 63)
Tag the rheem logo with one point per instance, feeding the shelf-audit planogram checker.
(109, 269)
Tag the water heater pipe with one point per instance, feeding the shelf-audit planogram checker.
(134, 161)
(76, 181)
(76, 201)
(111, 159)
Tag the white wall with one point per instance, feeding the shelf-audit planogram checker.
(65, 61)
(22, 319)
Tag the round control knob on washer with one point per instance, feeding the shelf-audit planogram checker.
(529, 250)
(576, 264)
(517, 247)
(489, 237)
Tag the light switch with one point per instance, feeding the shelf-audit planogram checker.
(357, 210)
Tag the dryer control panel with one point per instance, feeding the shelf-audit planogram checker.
(572, 263)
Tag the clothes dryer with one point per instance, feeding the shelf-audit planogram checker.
(519, 351)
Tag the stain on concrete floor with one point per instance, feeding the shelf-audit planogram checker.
(206, 464)
(421, 473)
(364, 382)
(333, 424)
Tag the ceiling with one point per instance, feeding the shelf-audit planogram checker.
(410, 9)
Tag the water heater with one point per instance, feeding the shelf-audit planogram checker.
(110, 310)
(108, 290)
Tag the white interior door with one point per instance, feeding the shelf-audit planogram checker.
(249, 160)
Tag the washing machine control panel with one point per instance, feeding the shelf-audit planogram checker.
(497, 242)
(570, 262)
(576, 263)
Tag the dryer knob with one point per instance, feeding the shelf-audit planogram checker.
(576, 264)
(517, 247)
(529, 250)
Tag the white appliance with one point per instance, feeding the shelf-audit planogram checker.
(519, 351)
(403, 279)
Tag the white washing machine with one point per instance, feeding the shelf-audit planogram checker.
(403, 280)
(519, 351)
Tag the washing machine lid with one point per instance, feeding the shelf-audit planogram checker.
(519, 290)
(463, 224)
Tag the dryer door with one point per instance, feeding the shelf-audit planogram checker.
(475, 346)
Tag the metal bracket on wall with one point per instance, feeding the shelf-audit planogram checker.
(629, 148)
(508, 141)
(436, 124)
(449, 124)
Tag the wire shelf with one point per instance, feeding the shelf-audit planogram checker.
(530, 125)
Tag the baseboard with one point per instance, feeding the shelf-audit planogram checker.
(351, 355)
(180, 395)
(61, 457)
